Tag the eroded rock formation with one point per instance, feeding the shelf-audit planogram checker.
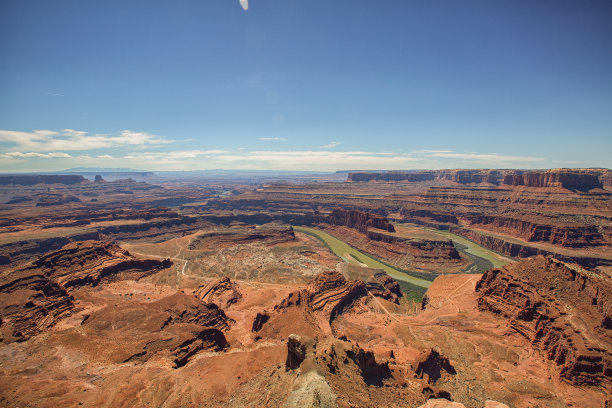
(385, 287)
(223, 292)
(90, 262)
(30, 302)
(179, 324)
(313, 309)
(563, 310)
(361, 221)
(432, 366)
(332, 354)
(556, 178)
(571, 179)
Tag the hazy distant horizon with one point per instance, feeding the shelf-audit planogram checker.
(311, 86)
(92, 171)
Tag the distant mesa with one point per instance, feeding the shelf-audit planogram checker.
(457, 176)
(570, 179)
(562, 178)
(32, 179)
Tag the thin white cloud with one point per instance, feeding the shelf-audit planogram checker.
(31, 155)
(69, 139)
(322, 160)
(272, 139)
(26, 150)
(431, 151)
(331, 145)
(273, 160)
(244, 4)
(52, 93)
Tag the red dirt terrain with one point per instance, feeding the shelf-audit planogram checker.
(114, 299)
(119, 338)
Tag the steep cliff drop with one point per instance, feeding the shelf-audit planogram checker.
(565, 312)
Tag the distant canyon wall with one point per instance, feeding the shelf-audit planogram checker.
(32, 179)
(571, 179)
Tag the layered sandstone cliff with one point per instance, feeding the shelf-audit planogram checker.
(564, 311)
(92, 262)
(360, 220)
(571, 179)
(30, 303)
(561, 178)
(36, 296)
(460, 176)
(556, 233)
(312, 310)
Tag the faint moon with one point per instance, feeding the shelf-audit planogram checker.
(244, 4)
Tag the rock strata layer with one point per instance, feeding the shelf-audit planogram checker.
(565, 311)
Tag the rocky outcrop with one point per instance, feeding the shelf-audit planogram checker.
(297, 347)
(329, 292)
(572, 236)
(359, 220)
(556, 178)
(36, 296)
(30, 303)
(471, 176)
(91, 262)
(385, 287)
(223, 292)
(28, 249)
(29, 180)
(332, 354)
(431, 365)
(563, 310)
(312, 310)
(260, 319)
(179, 326)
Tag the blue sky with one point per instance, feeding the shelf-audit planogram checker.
(305, 85)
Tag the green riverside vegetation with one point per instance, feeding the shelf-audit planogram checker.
(340, 248)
